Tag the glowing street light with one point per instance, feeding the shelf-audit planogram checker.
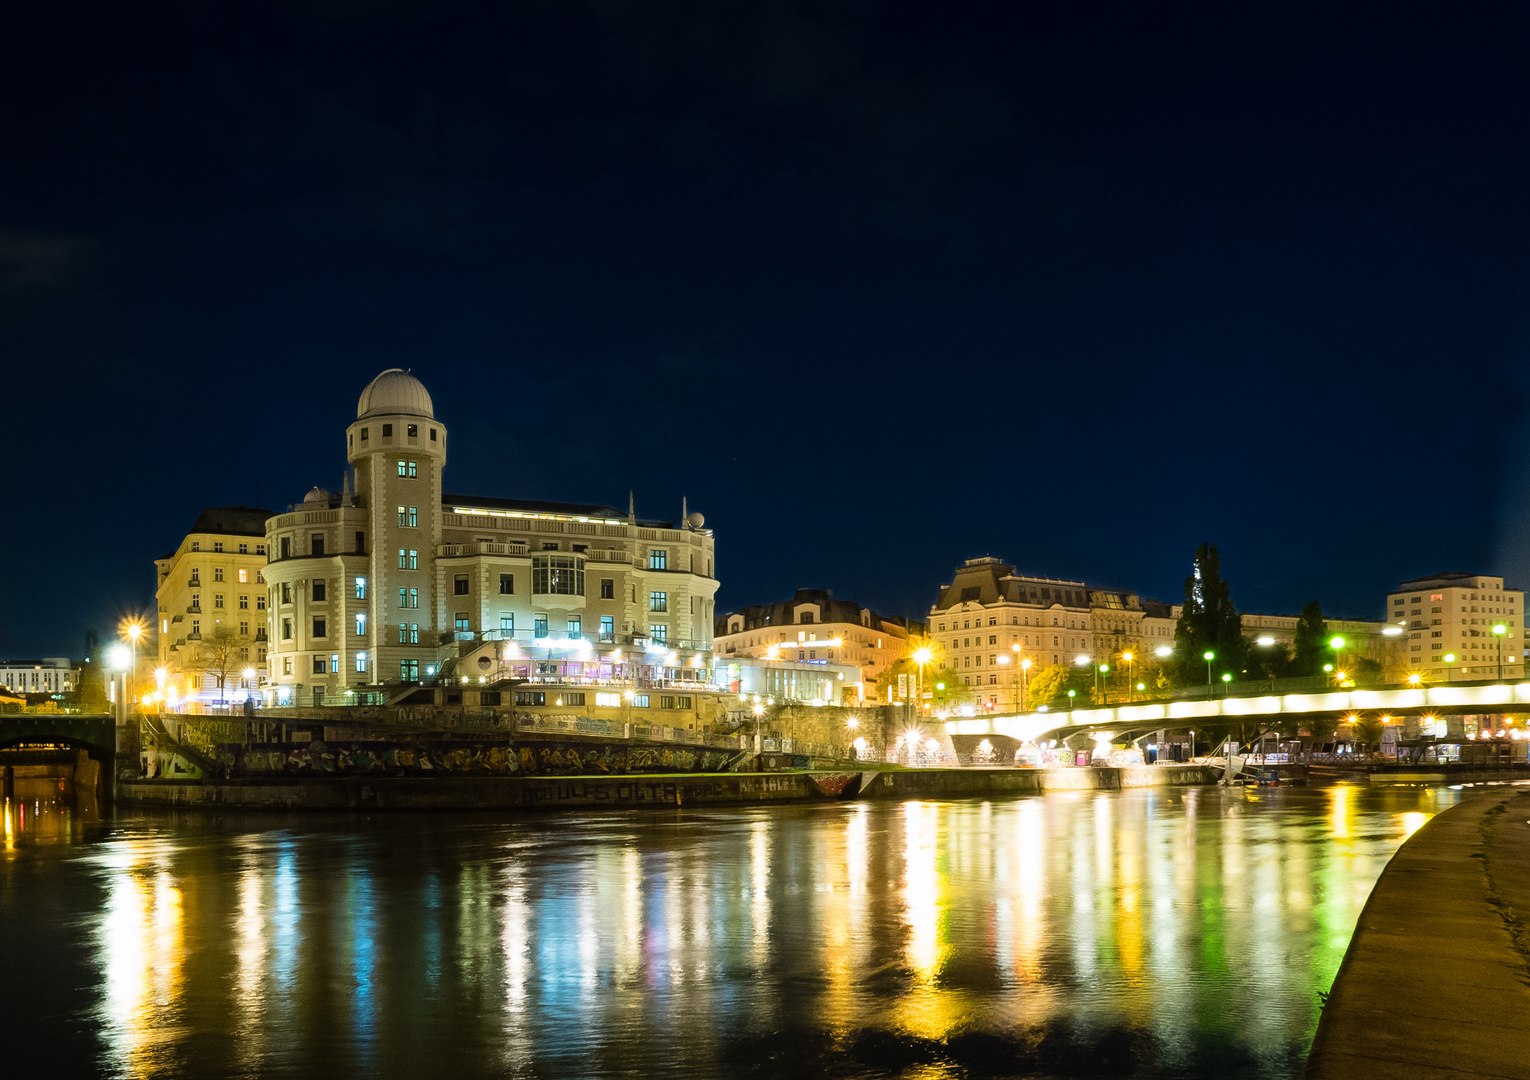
(1208, 656)
(1499, 630)
(922, 656)
(1449, 658)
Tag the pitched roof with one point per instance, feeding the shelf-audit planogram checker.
(783, 613)
(232, 521)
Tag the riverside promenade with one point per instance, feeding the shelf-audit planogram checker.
(635, 791)
(1436, 981)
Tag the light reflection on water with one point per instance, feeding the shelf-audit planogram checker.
(1142, 933)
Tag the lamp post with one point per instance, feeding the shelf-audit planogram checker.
(1130, 674)
(1336, 643)
(1499, 630)
(1025, 682)
(1101, 669)
(133, 628)
(1208, 656)
(922, 656)
(1449, 658)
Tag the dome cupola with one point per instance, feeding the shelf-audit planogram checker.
(395, 392)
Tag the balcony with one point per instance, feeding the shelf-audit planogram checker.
(458, 551)
(260, 635)
(194, 609)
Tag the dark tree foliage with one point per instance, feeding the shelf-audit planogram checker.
(1311, 641)
(1209, 622)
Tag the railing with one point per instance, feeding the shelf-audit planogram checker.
(585, 725)
(456, 551)
(554, 638)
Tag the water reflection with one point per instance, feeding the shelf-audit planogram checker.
(1140, 933)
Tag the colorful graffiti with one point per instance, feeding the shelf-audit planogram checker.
(437, 758)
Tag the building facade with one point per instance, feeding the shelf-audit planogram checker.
(50, 675)
(989, 620)
(813, 627)
(213, 581)
(392, 578)
(1452, 614)
(1379, 642)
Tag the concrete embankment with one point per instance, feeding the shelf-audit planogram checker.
(1436, 981)
(712, 789)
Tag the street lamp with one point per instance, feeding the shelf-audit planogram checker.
(1103, 669)
(1130, 672)
(922, 656)
(1449, 658)
(133, 629)
(1336, 643)
(1499, 630)
(1208, 656)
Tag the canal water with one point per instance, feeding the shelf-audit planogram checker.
(1147, 933)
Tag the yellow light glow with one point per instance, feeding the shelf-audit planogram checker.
(922, 655)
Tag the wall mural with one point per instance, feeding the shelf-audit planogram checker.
(437, 758)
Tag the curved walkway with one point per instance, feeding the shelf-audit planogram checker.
(1436, 981)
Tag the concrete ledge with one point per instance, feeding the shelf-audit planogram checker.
(1434, 983)
(692, 789)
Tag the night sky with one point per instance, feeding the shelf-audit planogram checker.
(877, 287)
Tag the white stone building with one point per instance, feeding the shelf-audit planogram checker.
(392, 577)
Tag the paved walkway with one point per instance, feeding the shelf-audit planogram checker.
(1436, 982)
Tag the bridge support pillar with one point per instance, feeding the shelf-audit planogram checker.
(127, 746)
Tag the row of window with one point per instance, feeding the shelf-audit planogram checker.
(413, 431)
(244, 549)
(244, 602)
(607, 701)
(244, 577)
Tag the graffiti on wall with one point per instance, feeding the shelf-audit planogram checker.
(439, 757)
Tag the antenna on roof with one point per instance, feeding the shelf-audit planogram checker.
(631, 516)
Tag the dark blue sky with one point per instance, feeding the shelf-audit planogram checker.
(879, 287)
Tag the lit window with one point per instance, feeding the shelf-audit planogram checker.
(557, 575)
(361, 588)
(659, 632)
(539, 626)
(658, 601)
(658, 559)
(361, 624)
(361, 663)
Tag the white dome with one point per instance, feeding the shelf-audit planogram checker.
(395, 391)
(317, 497)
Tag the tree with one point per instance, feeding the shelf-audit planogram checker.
(221, 652)
(1268, 661)
(1046, 685)
(1311, 641)
(1209, 622)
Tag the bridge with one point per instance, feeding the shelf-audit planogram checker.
(1129, 721)
(95, 733)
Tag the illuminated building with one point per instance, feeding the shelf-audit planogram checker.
(815, 628)
(988, 614)
(1454, 613)
(50, 675)
(392, 580)
(1362, 639)
(212, 579)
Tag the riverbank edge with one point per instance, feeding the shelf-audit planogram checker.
(657, 790)
(1436, 978)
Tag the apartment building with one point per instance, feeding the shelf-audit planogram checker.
(1448, 621)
